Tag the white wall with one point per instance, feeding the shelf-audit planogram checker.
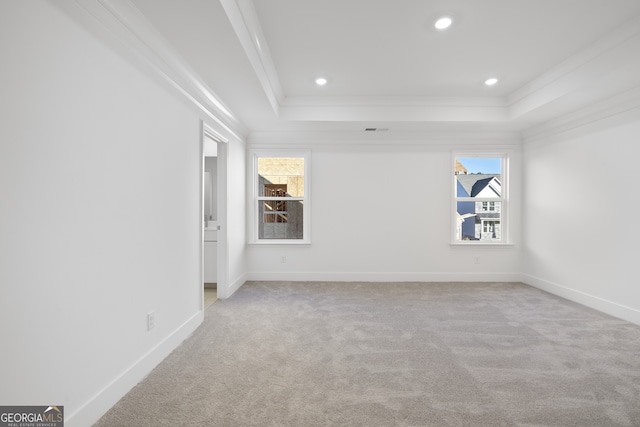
(100, 220)
(236, 220)
(383, 212)
(580, 206)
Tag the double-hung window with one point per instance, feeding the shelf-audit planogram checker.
(480, 199)
(280, 196)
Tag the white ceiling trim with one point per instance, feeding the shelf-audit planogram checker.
(394, 113)
(245, 23)
(124, 21)
(584, 72)
(345, 139)
(389, 101)
(615, 106)
(244, 20)
(580, 60)
(558, 91)
(394, 109)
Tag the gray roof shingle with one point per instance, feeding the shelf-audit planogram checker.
(474, 183)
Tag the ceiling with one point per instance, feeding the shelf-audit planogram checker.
(388, 67)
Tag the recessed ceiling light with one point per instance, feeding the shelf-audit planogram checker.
(321, 81)
(443, 23)
(491, 81)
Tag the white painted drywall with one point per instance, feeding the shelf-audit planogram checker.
(236, 220)
(383, 212)
(100, 221)
(580, 207)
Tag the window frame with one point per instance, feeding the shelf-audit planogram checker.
(505, 235)
(488, 206)
(255, 199)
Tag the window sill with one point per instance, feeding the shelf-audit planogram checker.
(477, 244)
(276, 242)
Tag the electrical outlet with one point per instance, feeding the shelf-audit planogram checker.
(476, 259)
(283, 259)
(151, 320)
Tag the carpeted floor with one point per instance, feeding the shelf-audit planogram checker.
(394, 354)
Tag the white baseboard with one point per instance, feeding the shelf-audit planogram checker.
(234, 286)
(609, 307)
(382, 277)
(99, 404)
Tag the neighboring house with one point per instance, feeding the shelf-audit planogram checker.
(486, 225)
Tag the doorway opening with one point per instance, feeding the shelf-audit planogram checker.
(214, 190)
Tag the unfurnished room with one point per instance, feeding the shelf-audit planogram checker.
(329, 213)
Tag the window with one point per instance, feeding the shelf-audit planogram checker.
(280, 181)
(489, 228)
(480, 198)
(275, 210)
(488, 206)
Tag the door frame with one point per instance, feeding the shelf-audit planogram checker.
(222, 201)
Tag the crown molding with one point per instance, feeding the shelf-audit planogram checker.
(394, 113)
(123, 21)
(584, 75)
(617, 106)
(396, 109)
(345, 139)
(587, 77)
(244, 20)
(396, 101)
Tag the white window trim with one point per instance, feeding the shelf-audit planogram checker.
(504, 209)
(253, 214)
(490, 204)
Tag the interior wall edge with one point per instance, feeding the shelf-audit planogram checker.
(347, 276)
(407, 141)
(600, 304)
(233, 286)
(99, 404)
(598, 114)
(121, 25)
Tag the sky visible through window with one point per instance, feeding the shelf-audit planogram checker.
(486, 165)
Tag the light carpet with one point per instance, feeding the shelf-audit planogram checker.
(394, 354)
